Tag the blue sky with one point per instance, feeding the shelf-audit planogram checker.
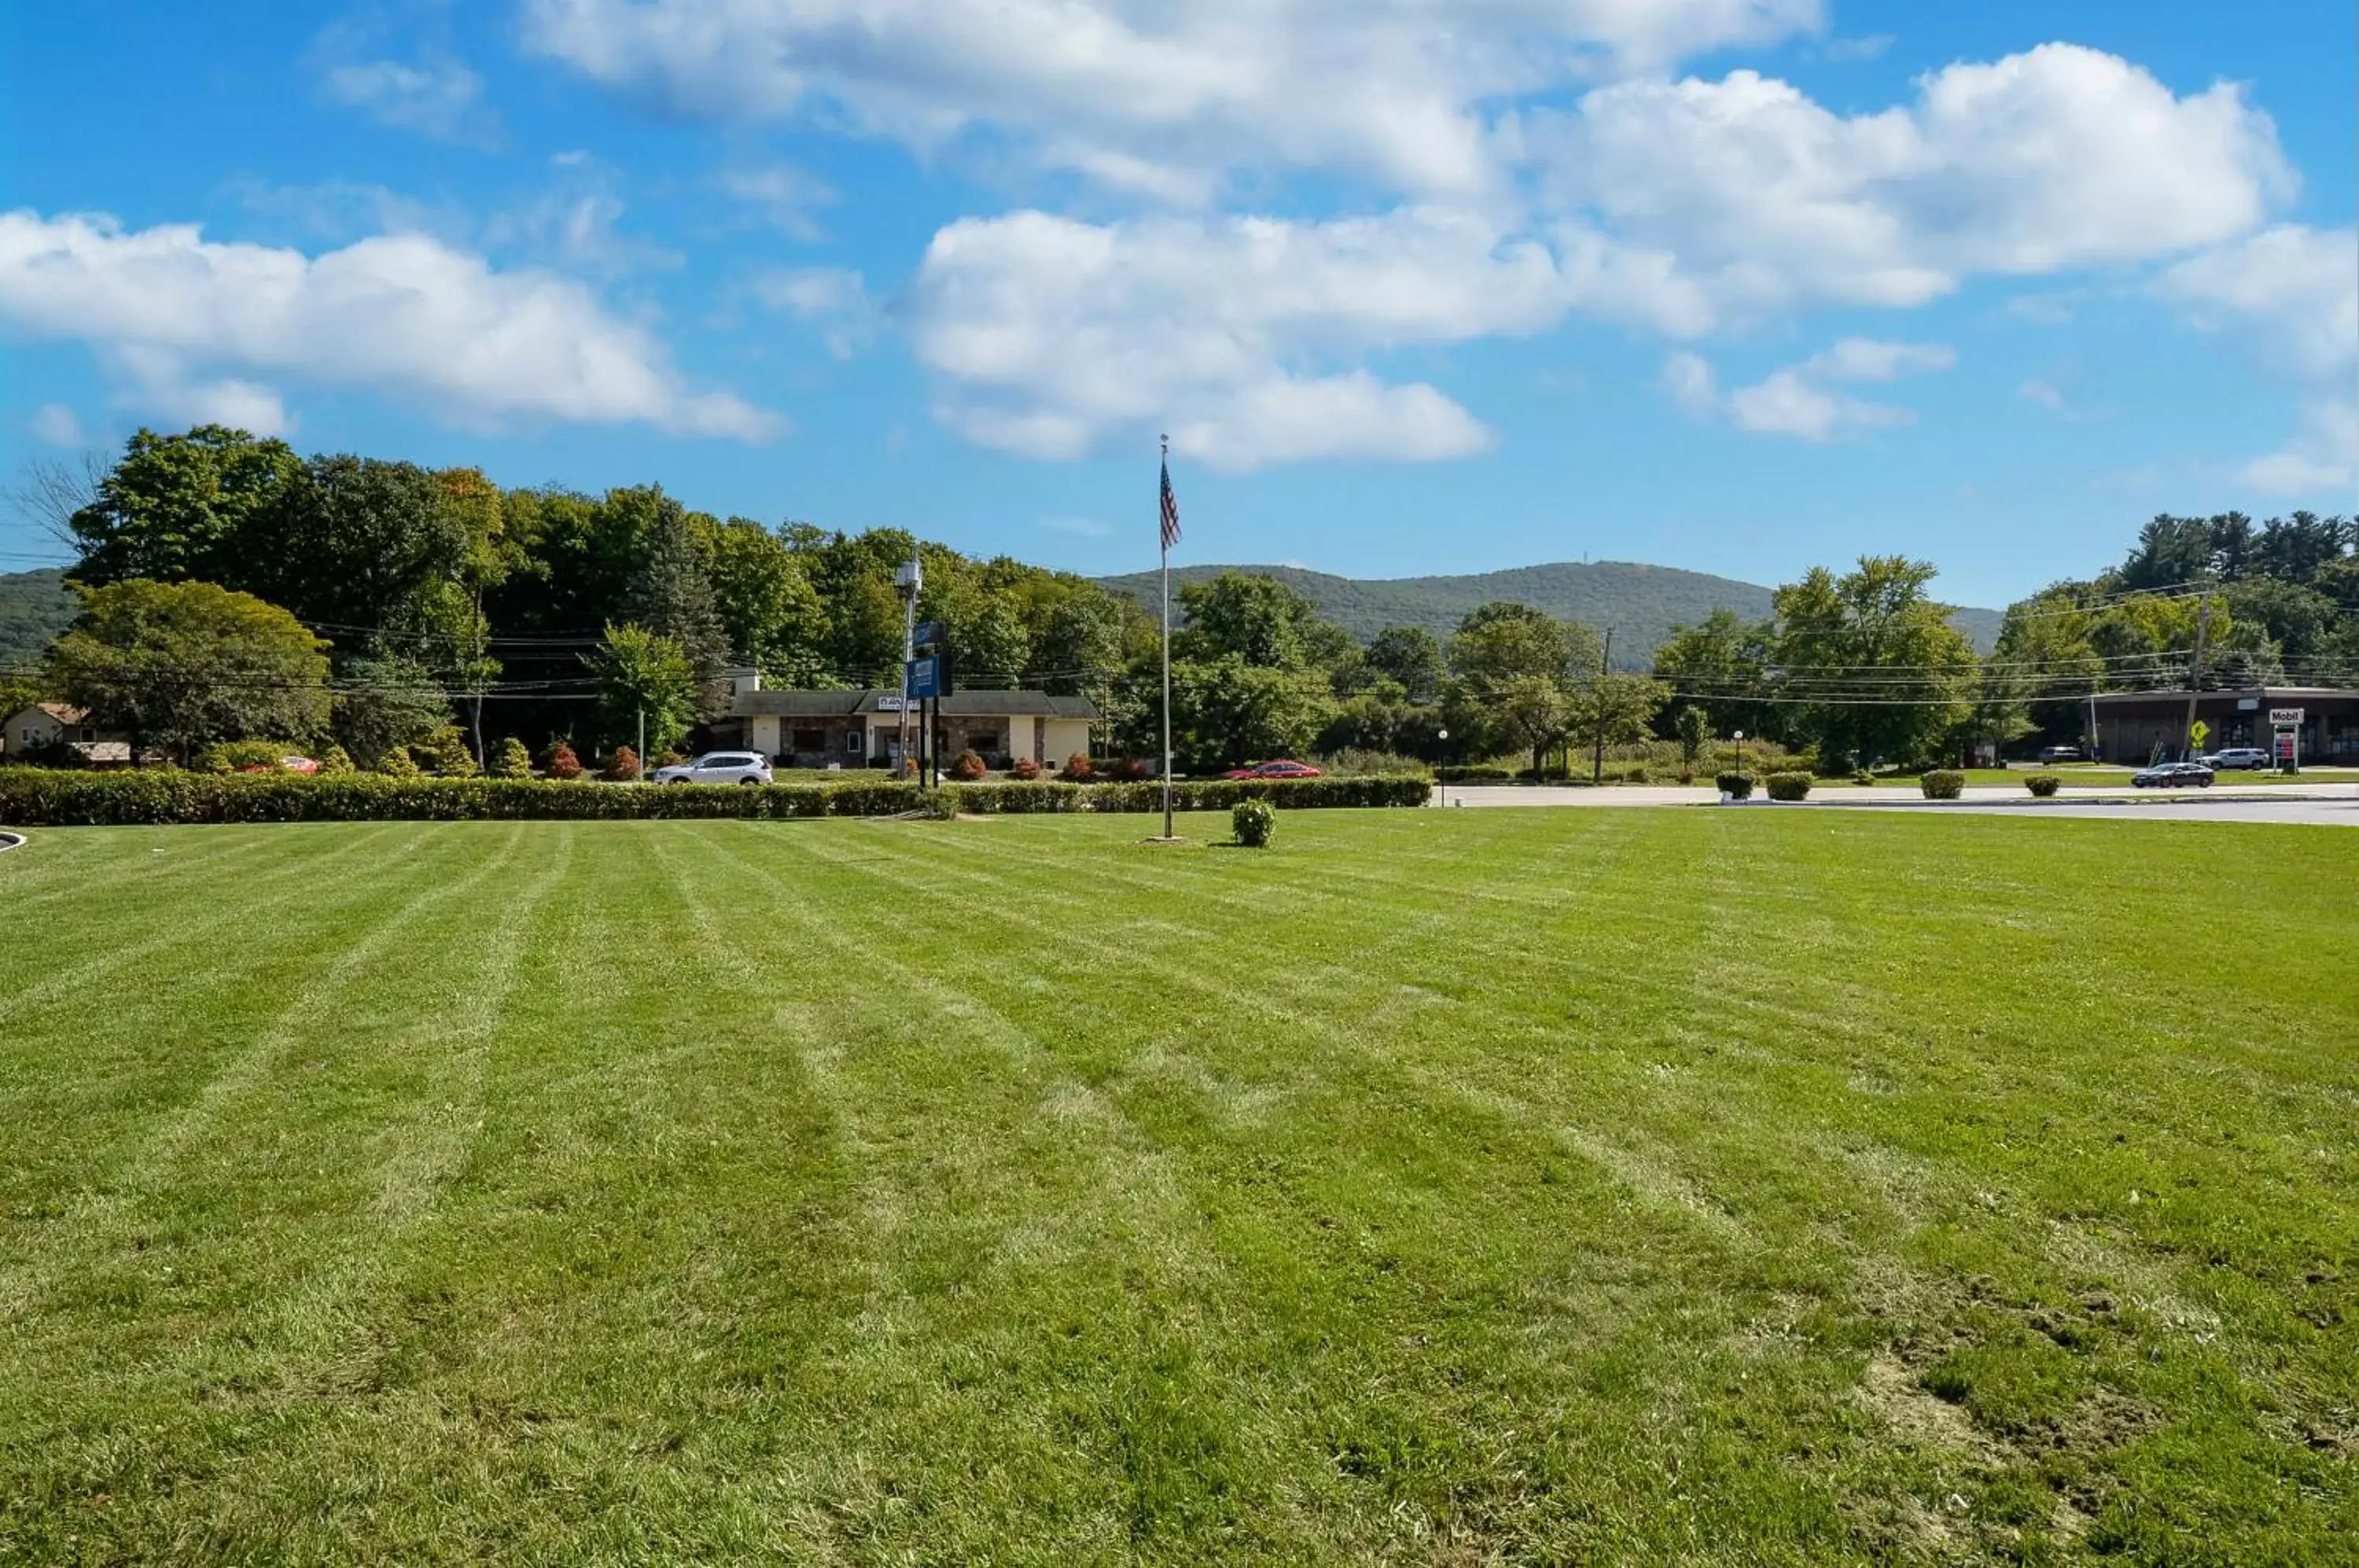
(1415, 286)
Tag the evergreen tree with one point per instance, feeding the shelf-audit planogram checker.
(672, 597)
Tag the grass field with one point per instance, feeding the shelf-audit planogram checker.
(1436, 1188)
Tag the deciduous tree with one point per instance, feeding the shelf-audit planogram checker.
(181, 665)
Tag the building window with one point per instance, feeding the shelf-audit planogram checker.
(809, 741)
(984, 741)
(851, 746)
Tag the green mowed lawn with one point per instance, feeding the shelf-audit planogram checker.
(1435, 1188)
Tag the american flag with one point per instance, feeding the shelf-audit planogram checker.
(1170, 509)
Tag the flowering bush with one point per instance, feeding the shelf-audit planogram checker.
(622, 767)
(1079, 769)
(1253, 822)
(968, 766)
(562, 763)
(1025, 769)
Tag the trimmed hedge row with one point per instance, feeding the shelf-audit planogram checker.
(45, 797)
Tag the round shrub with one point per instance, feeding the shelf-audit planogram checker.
(395, 763)
(444, 752)
(512, 760)
(2043, 784)
(1943, 784)
(622, 767)
(562, 763)
(336, 761)
(1131, 769)
(1735, 786)
(968, 766)
(1079, 769)
(1789, 786)
(1253, 822)
(1864, 778)
(1025, 769)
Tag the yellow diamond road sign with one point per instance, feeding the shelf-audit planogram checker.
(2199, 732)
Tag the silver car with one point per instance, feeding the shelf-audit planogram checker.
(719, 767)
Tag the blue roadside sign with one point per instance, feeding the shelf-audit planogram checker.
(925, 677)
(930, 633)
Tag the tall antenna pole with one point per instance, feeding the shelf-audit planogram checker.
(1163, 536)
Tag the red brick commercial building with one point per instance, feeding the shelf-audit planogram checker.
(2137, 726)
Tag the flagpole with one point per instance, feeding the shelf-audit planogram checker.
(1163, 535)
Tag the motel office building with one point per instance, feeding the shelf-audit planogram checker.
(2136, 727)
(864, 729)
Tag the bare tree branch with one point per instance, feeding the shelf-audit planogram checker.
(49, 490)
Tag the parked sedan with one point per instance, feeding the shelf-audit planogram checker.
(1274, 771)
(719, 767)
(2173, 776)
(2251, 757)
(2049, 753)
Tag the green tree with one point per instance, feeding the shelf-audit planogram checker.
(1874, 666)
(1257, 619)
(1694, 727)
(1227, 713)
(642, 675)
(1515, 676)
(512, 761)
(672, 597)
(176, 506)
(1721, 666)
(1409, 656)
(384, 704)
(762, 590)
(181, 665)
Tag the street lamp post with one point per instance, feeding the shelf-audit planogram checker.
(1442, 773)
(1740, 751)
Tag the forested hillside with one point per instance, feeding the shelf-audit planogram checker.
(1642, 603)
(34, 608)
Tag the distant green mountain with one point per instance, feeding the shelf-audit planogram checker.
(1642, 603)
(34, 608)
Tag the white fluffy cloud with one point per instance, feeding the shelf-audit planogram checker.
(1241, 337)
(1681, 208)
(1798, 400)
(195, 328)
(1150, 96)
(2057, 158)
(2289, 295)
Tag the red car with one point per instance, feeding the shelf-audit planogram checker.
(1274, 771)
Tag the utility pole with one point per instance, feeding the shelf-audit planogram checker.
(643, 743)
(910, 579)
(1597, 761)
(2092, 718)
(2195, 676)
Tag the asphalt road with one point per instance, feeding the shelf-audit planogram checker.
(2325, 804)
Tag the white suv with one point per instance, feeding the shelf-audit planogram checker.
(2251, 757)
(719, 767)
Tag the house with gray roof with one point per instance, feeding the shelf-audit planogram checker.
(865, 729)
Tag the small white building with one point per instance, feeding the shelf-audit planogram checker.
(61, 727)
(864, 729)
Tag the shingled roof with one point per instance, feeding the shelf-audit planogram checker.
(958, 705)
